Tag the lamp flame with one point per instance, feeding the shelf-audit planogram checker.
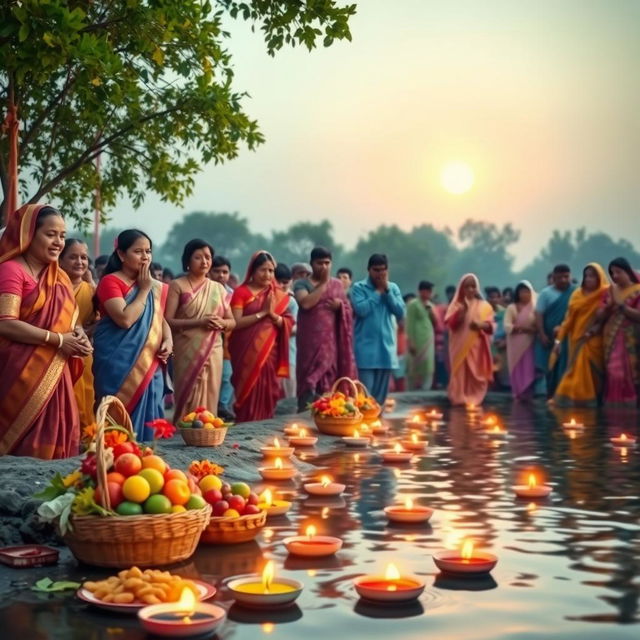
(267, 498)
(414, 438)
(325, 481)
(532, 480)
(467, 550)
(302, 433)
(408, 504)
(356, 433)
(623, 436)
(415, 419)
(278, 463)
(276, 443)
(397, 448)
(267, 575)
(186, 604)
(392, 572)
(310, 531)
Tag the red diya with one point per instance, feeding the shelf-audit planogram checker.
(408, 512)
(389, 588)
(467, 561)
(532, 489)
(326, 487)
(397, 454)
(312, 545)
(414, 443)
(623, 440)
(183, 619)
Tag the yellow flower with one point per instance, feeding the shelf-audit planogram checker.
(72, 478)
(84, 502)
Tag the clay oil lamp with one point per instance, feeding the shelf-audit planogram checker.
(623, 440)
(434, 415)
(413, 443)
(186, 618)
(278, 471)
(490, 421)
(408, 512)
(273, 507)
(356, 440)
(467, 560)
(390, 404)
(416, 421)
(377, 427)
(312, 545)
(397, 454)
(532, 489)
(573, 424)
(326, 487)
(303, 439)
(391, 588)
(277, 450)
(264, 591)
(293, 429)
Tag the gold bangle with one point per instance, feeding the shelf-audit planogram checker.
(60, 340)
(46, 338)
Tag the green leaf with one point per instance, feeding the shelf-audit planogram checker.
(46, 585)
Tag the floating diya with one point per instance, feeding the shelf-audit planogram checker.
(467, 561)
(532, 489)
(326, 487)
(277, 450)
(573, 424)
(490, 421)
(392, 587)
(408, 512)
(416, 421)
(623, 440)
(433, 415)
(356, 440)
(397, 454)
(377, 427)
(302, 439)
(264, 591)
(414, 443)
(312, 545)
(496, 431)
(273, 507)
(183, 619)
(278, 471)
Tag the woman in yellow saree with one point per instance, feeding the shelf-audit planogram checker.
(74, 260)
(581, 384)
(469, 320)
(198, 314)
(40, 346)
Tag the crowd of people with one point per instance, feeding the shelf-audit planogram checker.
(72, 332)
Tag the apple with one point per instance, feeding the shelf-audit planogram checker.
(219, 508)
(253, 498)
(240, 489)
(237, 502)
(251, 509)
(128, 464)
(212, 496)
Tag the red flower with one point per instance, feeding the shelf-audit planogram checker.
(162, 428)
(200, 409)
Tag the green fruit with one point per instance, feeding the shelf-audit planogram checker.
(157, 503)
(183, 425)
(129, 509)
(197, 424)
(240, 489)
(195, 502)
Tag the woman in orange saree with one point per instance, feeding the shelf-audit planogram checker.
(198, 315)
(259, 345)
(40, 347)
(74, 260)
(469, 319)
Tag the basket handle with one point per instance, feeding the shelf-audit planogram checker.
(336, 384)
(112, 407)
(362, 387)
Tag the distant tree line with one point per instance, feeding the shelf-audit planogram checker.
(422, 253)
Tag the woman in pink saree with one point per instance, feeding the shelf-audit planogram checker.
(469, 319)
(198, 315)
(520, 327)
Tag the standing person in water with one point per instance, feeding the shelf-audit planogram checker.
(74, 260)
(469, 319)
(132, 341)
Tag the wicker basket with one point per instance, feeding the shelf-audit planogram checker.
(204, 437)
(125, 541)
(368, 414)
(342, 426)
(234, 530)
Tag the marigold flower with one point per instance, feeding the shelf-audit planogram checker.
(201, 468)
(72, 479)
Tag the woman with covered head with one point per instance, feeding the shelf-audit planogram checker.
(132, 340)
(469, 319)
(41, 343)
(520, 328)
(259, 345)
(581, 384)
(198, 315)
(620, 313)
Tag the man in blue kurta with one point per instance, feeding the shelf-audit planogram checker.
(551, 308)
(376, 301)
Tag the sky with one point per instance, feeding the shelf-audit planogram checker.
(539, 98)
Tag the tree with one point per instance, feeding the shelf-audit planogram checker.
(146, 85)
(295, 244)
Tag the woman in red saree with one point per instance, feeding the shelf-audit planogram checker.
(40, 348)
(259, 345)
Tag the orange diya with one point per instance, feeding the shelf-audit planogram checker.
(532, 489)
(302, 439)
(392, 587)
(326, 487)
(623, 440)
(467, 560)
(278, 471)
(356, 440)
(312, 545)
(408, 512)
(414, 443)
(397, 454)
(277, 450)
(264, 590)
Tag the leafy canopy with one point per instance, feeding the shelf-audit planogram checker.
(148, 84)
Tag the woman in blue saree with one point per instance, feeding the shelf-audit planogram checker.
(132, 341)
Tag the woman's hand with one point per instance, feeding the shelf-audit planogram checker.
(166, 348)
(144, 277)
(74, 345)
(267, 307)
(216, 322)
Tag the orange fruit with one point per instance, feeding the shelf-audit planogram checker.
(177, 491)
(154, 478)
(175, 474)
(209, 482)
(136, 489)
(177, 508)
(154, 462)
(114, 476)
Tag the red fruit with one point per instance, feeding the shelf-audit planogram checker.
(115, 494)
(125, 447)
(225, 488)
(212, 496)
(253, 498)
(219, 507)
(238, 503)
(251, 509)
(128, 464)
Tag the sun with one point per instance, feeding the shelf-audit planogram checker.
(457, 178)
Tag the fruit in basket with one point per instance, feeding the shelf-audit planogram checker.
(136, 489)
(251, 509)
(219, 508)
(128, 464)
(127, 508)
(240, 489)
(116, 495)
(333, 405)
(154, 478)
(157, 503)
(195, 502)
(237, 502)
(153, 461)
(175, 474)
(231, 513)
(210, 482)
(177, 491)
(201, 418)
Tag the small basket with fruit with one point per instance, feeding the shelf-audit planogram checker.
(368, 405)
(201, 428)
(235, 516)
(125, 506)
(336, 413)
